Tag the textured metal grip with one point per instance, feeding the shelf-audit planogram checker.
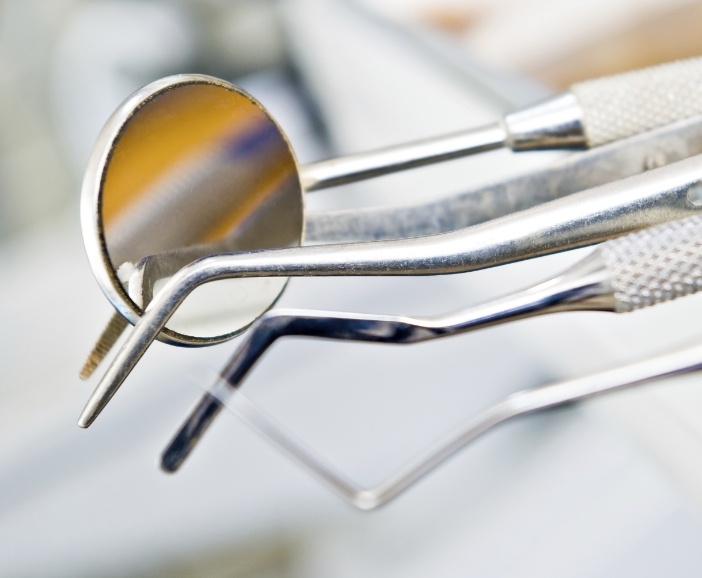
(620, 106)
(656, 265)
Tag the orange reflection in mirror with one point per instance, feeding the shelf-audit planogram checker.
(192, 165)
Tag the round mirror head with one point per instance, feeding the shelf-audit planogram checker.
(188, 167)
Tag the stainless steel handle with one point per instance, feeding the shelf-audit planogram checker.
(618, 106)
(656, 265)
(606, 109)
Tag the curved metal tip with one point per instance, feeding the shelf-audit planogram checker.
(115, 375)
(190, 432)
(97, 402)
(171, 461)
(85, 420)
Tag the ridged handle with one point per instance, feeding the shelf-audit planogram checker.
(655, 265)
(626, 104)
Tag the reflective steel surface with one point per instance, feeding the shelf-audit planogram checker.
(574, 221)
(186, 162)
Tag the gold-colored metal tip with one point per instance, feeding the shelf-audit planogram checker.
(109, 336)
(90, 365)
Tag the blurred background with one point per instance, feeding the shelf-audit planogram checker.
(608, 487)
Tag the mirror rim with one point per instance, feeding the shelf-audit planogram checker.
(91, 198)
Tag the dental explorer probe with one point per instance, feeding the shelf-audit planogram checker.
(593, 113)
(518, 404)
(581, 219)
(635, 271)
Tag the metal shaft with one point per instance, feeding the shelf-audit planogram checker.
(352, 168)
(553, 124)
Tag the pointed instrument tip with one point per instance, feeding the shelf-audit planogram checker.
(179, 448)
(85, 420)
(98, 400)
(190, 432)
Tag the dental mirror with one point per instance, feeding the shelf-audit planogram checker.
(191, 166)
(186, 167)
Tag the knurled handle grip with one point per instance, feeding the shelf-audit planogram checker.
(655, 265)
(626, 104)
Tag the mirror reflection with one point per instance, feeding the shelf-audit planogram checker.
(198, 169)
